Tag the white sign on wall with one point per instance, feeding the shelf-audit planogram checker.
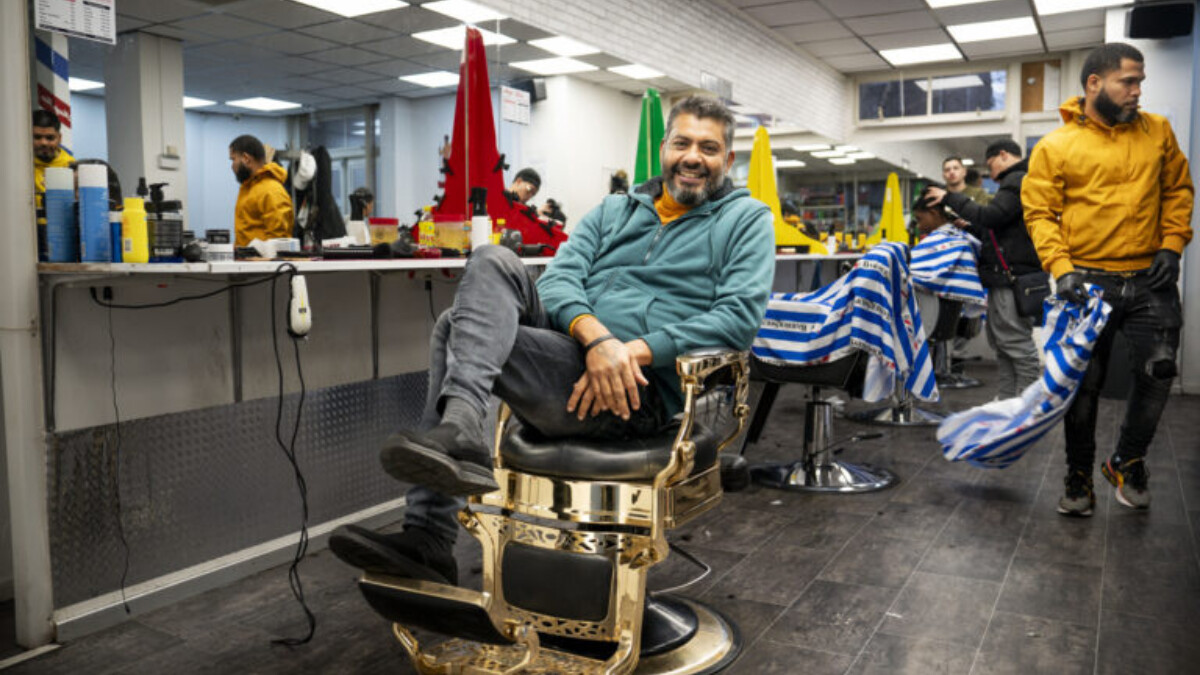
(89, 19)
(514, 105)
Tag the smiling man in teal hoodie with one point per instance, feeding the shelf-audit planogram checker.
(590, 348)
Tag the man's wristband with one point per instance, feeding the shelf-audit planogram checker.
(603, 338)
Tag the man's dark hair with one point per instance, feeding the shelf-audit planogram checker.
(1004, 144)
(705, 107)
(1107, 58)
(952, 158)
(922, 202)
(249, 145)
(972, 176)
(363, 193)
(788, 208)
(529, 176)
(45, 118)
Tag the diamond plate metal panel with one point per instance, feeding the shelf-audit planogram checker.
(205, 483)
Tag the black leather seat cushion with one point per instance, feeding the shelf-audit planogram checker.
(637, 459)
(847, 373)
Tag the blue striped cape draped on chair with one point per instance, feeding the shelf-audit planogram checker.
(996, 434)
(945, 263)
(871, 309)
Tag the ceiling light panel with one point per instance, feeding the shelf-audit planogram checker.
(263, 104)
(636, 72)
(789, 164)
(937, 4)
(556, 66)
(846, 148)
(841, 160)
(811, 147)
(456, 36)
(993, 30)
(564, 46)
(354, 7)
(465, 11)
(1045, 7)
(925, 54)
(193, 102)
(826, 154)
(80, 84)
(955, 82)
(438, 78)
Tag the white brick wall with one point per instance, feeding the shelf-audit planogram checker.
(684, 37)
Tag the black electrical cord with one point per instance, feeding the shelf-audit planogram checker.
(289, 448)
(112, 380)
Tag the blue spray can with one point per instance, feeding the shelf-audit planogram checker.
(95, 234)
(114, 226)
(62, 231)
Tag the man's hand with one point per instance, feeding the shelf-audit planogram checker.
(936, 195)
(1164, 271)
(611, 381)
(1070, 288)
(961, 223)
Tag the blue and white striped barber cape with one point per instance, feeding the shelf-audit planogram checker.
(945, 263)
(996, 434)
(871, 309)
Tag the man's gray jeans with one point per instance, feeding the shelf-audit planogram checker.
(1011, 336)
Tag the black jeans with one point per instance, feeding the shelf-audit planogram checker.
(1150, 321)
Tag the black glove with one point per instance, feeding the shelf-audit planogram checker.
(1165, 269)
(1070, 288)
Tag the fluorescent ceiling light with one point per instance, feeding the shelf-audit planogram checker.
(193, 102)
(956, 82)
(1045, 7)
(264, 104)
(557, 66)
(967, 161)
(80, 84)
(811, 147)
(465, 11)
(841, 160)
(789, 164)
(826, 154)
(438, 78)
(937, 4)
(354, 7)
(846, 148)
(456, 37)
(564, 46)
(861, 155)
(993, 30)
(925, 54)
(636, 72)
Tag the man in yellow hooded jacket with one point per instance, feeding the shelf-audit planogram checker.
(1108, 201)
(264, 207)
(47, 149)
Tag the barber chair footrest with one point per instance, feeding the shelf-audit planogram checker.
(836, 476)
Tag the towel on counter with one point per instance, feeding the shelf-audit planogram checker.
(945, 263)
(871, 309)
(996, 434)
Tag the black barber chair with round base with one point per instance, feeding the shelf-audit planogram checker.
(817, 470)
(568, 540)
(941, 340)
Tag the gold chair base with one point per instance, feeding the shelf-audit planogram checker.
(714, 646)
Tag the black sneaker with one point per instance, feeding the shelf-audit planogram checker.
(415, 553)
(443, 459)
(1132, 480)
(1079, 498)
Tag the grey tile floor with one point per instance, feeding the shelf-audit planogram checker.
(955, 570)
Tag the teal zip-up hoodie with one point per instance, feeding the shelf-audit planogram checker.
(700, 281)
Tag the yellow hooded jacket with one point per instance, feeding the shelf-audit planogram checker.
(1107, 197)
(264, 209)
(62, 160)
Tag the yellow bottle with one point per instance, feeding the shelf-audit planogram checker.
(135, 243)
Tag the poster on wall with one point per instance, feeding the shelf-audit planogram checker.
(514, 105)
(88, 19)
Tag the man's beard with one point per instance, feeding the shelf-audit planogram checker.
(46, 155)
(243, 173)
(692, 197)
(1110, 111)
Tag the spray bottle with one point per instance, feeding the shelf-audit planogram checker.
(481, 224)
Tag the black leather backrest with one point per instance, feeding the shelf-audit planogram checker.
(582, 591)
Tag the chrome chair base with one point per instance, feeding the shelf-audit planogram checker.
(903, 414)
(836, 476)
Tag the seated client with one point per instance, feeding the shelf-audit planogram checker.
(684, 261)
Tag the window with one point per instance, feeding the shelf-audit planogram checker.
(926, 97)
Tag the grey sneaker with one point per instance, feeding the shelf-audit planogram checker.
(1132, 480)
(1079, 499)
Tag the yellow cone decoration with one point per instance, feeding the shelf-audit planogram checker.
(762, 187)
(891, 223)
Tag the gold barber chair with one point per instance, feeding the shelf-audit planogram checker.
(568, 540)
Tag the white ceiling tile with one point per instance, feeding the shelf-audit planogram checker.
(291, 42)
(916, 38)
(986, 11)
(856, 62)
(517, 30)
(347, 32)
(224, 27)
(236, 52)
(751, 3)
(300, 65)
(349, 75)
(835, 47)
(401, 47)
(399, 67)
(1072, 20)
(599, 76)
(277, 13)
(599, 60)
(347, 56)
(409, 20)
(125, 23)
(848, 8)
(441, 61)
(346, 93)
(158, 11)
(892, 23)
(821, 30)
(1026, 44)
(188, 37)
(1075, 39)
(787, 13)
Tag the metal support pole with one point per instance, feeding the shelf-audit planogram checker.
(20, 340)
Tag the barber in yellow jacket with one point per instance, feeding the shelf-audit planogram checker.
(264, 208)
(1108, 201)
